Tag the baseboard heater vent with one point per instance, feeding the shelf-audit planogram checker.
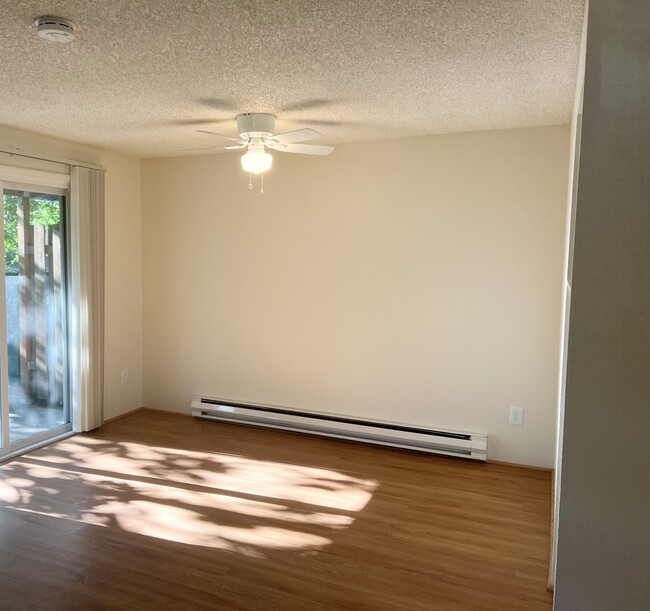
(463, 445)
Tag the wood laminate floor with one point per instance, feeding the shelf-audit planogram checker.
(159, 511)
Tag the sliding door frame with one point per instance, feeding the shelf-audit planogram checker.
(4, 352)
(51, 184)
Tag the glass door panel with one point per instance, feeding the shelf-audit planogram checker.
(36, 362)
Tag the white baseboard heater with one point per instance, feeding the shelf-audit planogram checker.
(463, 445)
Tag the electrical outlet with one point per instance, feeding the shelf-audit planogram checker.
(517, 416)
(125, 376)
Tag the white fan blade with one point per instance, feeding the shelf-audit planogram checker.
(305, 149)
(205, 131)
(299, 135)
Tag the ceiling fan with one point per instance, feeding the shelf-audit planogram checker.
(256, 134)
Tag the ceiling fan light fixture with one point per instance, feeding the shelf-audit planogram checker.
(256, 161)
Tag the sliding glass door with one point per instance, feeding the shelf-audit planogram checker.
(33, 340)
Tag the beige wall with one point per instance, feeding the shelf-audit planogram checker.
(123, 262)
(415, 280)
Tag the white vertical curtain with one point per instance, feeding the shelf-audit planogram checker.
(86, 298)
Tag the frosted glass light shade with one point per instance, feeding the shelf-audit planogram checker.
(256, 161)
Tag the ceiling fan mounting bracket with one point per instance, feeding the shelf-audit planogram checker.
(255, 125)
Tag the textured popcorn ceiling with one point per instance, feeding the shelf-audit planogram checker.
(143, 75)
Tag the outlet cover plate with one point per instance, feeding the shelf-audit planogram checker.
(517, 416)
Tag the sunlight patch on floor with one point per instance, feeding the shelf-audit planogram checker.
(208, 499)
(189, 527)
(314, 485)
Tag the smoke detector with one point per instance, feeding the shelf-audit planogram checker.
(55, 29)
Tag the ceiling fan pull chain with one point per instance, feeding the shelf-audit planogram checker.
(262, 188)
(250, 180)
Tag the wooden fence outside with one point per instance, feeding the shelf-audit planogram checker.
(41, 313)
